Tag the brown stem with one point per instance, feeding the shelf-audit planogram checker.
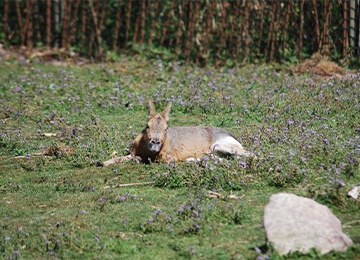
(180, 23)
(231, 33)
(193, 27)
(29, 31)
(275, 30)
(68, 21)
(344, 27)
(327, 22)
(20, 23)
(152, 23)
(188, 36)
(222, 24)
(102, 18)
(6, 7)
(48, 23)
(247, 27)
(316, 22)
(91, 42)
(261, 26)
(167, 23)
(287, 17)
(137, 25)
(83, 27)
(64, 28)
(128, 22)
(208, 28)
(273, 4)
(117, 25)
(301, 26)
(143, 17)
(37, 15)
(97, 30)
(72, 32)
(239, 40)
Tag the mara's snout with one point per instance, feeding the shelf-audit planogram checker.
(154, 146)
(158, 142)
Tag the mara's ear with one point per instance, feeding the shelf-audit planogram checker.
(152, 111)
(165, 113)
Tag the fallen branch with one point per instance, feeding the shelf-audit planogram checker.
(213, 194)
(129, 184)
(349, 224)
(25, 157)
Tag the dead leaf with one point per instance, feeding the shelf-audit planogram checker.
(49, 134)
(129, 184)
(114, 154)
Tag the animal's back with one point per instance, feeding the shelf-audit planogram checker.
(191, 141)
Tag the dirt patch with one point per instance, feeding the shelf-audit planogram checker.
(52, 56)
(320, 65)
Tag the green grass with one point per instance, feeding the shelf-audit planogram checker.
(304, 128)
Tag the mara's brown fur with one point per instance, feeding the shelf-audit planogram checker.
(158, 142)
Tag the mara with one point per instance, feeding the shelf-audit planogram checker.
(158, 142)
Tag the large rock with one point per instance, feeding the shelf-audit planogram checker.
(294, 223)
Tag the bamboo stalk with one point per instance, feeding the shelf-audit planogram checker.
(193, 28)
(344, 28)
(152, 23)
(137, 25)
(35, 4)
(72, 32)
(188, 36)
(301, 27)
(64, 27)
(97, 30)
(143, 17)
(102, 18)
(167, 21)
(48, 23)
(180, 23)
(27, 17)
(29, 30)
(273, 5)
(56, 6)
(239, 40)
(83, 27)
(6, 7)
(273, 35)
(117, 25)
(316, 22)
(287, 17)
(232, 29)
(261, 26)
(247, 27)
(222, 24)
(91, 42)
(281, 29)
(22, 36)
(69, 25)
(128, 22)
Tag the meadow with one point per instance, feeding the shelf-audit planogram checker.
(60, 121)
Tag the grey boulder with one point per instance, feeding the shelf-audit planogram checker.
(294, 223)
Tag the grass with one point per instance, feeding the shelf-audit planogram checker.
(304, 128)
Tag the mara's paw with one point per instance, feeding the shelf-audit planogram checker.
(100, 164)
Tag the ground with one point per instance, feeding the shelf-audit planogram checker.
(57, 122)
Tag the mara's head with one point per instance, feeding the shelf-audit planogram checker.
(155, 132)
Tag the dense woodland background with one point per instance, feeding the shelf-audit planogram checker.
(193, 30)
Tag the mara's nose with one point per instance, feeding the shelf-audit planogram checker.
(155, 142)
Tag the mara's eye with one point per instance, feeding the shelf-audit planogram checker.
(147, 126)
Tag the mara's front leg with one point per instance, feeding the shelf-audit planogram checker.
(116, 160)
